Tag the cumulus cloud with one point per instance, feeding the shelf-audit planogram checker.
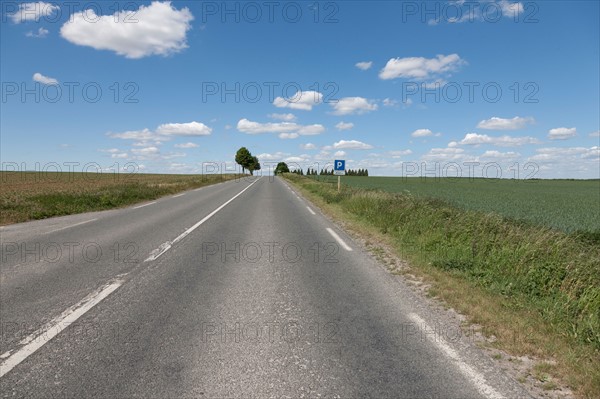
(595, 134)
(184, 129)
(249, 127)
(422, 133)
(364, 65)
(164, 132)
(187, 145)
(302, 100)
(45, 80)
(156, 29)
(287, 136)
(421, 68)
(41, 33)
(283, 117)
(496, 123)
(562, 133)
(308, 146)
(499, 156)
(388, 102)
(399, 153)
(351, 145)
(353, 105)
(340, 153)
(344, 126)
(33, 11)
(444, 154)
(500, 141)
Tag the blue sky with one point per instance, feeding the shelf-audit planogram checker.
(388, 86)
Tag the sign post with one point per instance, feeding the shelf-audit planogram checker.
(339, 168)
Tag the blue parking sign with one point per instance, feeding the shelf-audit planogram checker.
(339, 166)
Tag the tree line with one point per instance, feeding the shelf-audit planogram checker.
(329, 172)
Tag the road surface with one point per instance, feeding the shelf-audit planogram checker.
(241, 289)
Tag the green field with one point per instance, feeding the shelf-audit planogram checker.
(567, 205)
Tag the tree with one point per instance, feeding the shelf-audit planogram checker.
(281, 168)
(253, 165)
(244, 158)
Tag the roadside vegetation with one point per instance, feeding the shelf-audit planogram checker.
(36, 195)
(531, 283)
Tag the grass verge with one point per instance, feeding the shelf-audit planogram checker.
(534, 289)
(32, 195)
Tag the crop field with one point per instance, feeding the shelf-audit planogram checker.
(566, 205)
(35, 195)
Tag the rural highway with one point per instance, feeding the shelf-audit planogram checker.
(241, 289)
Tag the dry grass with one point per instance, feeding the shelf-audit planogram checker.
(34, 195)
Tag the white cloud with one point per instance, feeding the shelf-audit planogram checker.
(388, 102)
(308, 146)
(278, 156)
(364, 65)
(285, 136)
(41, 33)
(352, 105)
(496, 123)
(511, 9)
(500, 141)
(422, 133)
(568, 156)
(444, 154)
(562, 133)
(499, 156)
(399, 153)
(420, 67)
(45, 80)
(187, 145)
(156, 29)
(340, 153)
(116, 153)
(249, 127)
(33, 11)
(164, 132)
(344, 126)
(145, 151)
(283, 117)
(595, 134)
(184, 129)
(303, 100)
(351, 145)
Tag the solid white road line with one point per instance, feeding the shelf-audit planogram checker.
(475, 377)
(310, 210)
(164, 247)
(339, 240)
(141, 206)
(73, 225)
(178, 195)
(42, 336)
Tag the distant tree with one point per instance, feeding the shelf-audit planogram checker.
(244, 158)
(281, 168)
(253, 165)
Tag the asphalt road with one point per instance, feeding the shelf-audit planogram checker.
(241, 289)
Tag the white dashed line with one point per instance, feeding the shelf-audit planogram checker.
(42, 336)
(310, 210)
(475, 377)
(141, 206)
(339, 240)
(164, 247)
(73, 225)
